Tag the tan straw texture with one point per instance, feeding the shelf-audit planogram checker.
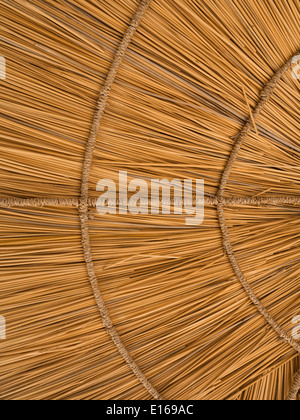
(187, 90)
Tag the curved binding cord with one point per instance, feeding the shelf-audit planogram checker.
(208, 201)
(84, 201)
(264, 97)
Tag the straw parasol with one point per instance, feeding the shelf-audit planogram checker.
(142, 306)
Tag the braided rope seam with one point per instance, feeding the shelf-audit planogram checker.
(208, 200)
(294, 388)
(242, 135)
(83, 204)
(219, 200)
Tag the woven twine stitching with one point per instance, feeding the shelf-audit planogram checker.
(91, 202)
(83, 204)
(264, 97)
(295, 387)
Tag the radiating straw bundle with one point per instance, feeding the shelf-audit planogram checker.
(188, 89)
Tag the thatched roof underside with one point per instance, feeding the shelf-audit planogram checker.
(187, 84)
